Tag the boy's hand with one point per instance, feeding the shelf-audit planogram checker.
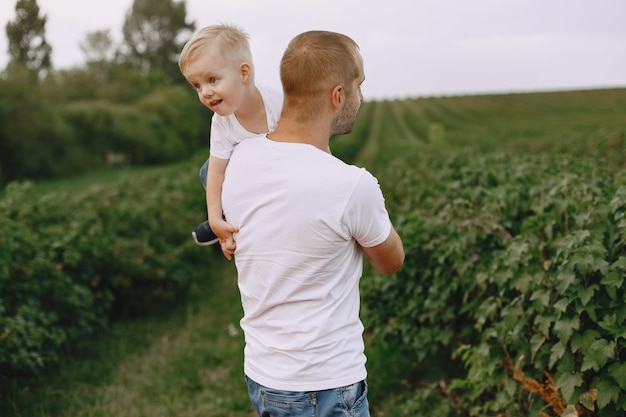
(224, 231)
(228, 247)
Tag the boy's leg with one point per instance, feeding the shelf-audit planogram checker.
(203, 172)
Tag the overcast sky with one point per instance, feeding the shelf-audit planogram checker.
(411, 48)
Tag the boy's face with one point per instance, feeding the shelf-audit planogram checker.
(218, 80)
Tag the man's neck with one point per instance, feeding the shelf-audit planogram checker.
(311, 132)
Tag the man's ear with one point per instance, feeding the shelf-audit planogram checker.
(245, 71)
(336, 97)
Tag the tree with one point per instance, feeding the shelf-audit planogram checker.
(27, 39)
(154, 34)
(99, 46)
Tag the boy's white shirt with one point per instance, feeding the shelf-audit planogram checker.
(227, 132)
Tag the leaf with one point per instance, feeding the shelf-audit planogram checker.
(536, 341)
(620, 263)
(556, 353)
(618, 372)
(588, 398)
(614, 278)
(523, 282)
(586, 294)
(564, 279)
(542, 296)
(607, 392)
(567, 383)
(543, 323)
(586, 339)
(565, 327)
(608, 321)
(561, 305)
(598, 354)
(570, 411)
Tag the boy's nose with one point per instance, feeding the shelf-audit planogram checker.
(206, 91)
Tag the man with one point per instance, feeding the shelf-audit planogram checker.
(305, 220)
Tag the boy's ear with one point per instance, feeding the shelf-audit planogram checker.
(245, 71)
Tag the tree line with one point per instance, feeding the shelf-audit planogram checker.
(126, 104)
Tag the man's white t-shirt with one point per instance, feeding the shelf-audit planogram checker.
(303, 216)
(227, 132)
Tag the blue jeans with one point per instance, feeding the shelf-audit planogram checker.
(348, 401)
(202, 173)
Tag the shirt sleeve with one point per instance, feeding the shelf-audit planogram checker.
(366, 217)
(220, 144)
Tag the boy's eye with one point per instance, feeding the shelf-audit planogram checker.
(197, 87)
(212, 80)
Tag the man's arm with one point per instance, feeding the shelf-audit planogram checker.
(387, 257)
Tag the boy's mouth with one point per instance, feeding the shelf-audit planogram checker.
(214, 103)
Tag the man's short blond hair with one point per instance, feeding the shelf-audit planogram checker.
(316, 61)
(230, 40)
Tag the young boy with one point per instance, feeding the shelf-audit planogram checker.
(217, 62)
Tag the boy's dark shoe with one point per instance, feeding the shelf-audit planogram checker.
(203, 235)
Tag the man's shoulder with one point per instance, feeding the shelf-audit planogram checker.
(251, 143)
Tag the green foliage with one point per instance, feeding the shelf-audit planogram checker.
(581, 124)
(512, 210)
(97, 81)
(184, 361)
(177, 108)
(153, 131)
(98, 47)
(72, 261)
(514, 259)
(36, 142)
(153, 32)
(45, 140)
(27, 38)
(128, 85)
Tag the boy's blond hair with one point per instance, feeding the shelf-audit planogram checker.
(316, 61)
(230, 40)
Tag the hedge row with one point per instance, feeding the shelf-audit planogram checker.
(43, 139)
(70, 262)
(513, 281)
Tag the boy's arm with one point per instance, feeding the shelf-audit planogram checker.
(214, 180)
(222, 229)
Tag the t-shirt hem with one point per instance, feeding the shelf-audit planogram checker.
(299, 386)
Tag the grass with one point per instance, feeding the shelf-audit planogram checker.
(582, 124)
(115, 175)
(184, 362)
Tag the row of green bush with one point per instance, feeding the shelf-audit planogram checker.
(70, 262)
(43, 136)
(513, 281)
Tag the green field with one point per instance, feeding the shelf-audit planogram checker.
(512, 209)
